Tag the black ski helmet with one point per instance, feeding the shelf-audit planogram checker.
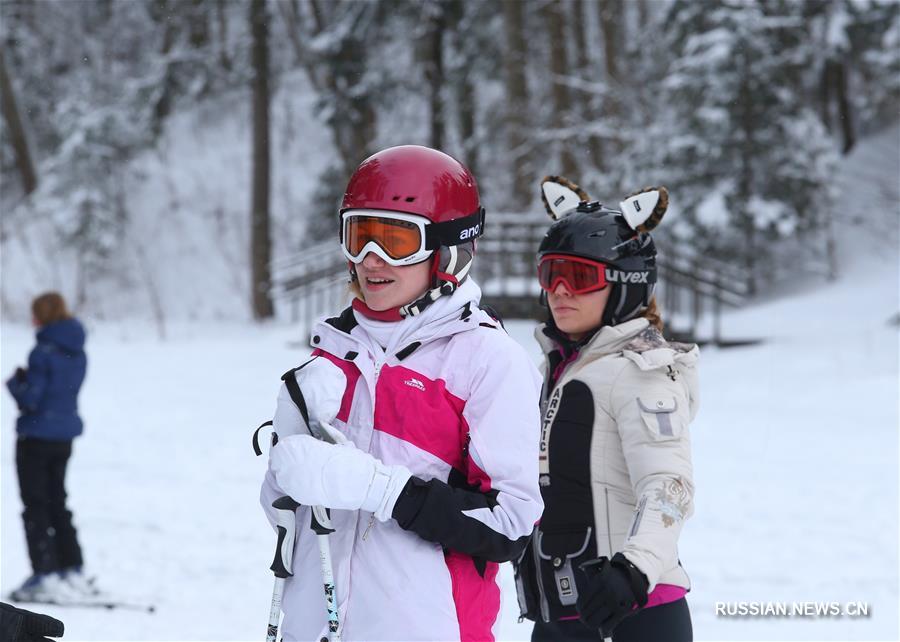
(601, 234)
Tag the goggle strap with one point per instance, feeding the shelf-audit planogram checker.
(455, 232)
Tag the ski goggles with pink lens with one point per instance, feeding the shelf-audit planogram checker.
(399, 239)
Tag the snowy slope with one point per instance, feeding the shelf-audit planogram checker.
(795, 454)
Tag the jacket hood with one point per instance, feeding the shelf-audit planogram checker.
(607, 340)
(67, 334)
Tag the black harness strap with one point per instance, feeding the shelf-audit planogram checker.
(290, 381)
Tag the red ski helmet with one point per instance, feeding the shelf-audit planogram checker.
(414, 180)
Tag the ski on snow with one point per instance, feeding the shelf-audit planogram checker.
(99, 603)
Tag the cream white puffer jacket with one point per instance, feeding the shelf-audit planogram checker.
(645, 393)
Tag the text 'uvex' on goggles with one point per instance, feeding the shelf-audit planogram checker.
(402, 239)
(578, 274)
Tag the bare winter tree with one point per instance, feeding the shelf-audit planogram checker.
(433, 63)
(554, 16)
(517, 101)
(16, 131)
(466, 51)
(585, 105)
(613, 27)
(833, 85)
(260, 240)
(328, 39)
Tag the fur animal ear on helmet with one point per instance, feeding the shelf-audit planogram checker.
(560, 196)
(644, 209)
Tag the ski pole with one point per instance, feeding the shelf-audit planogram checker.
(321, 526)
(286, 525)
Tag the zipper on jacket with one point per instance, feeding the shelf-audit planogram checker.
(545, 608)
(369, 527)
(608, 523)
(639, 514)
(378, 366)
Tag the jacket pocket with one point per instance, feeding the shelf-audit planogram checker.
(561, 554)
(661, 416)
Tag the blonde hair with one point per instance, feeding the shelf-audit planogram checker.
(49, 307)
(653, 315)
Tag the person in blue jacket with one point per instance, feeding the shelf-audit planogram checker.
(47, 396)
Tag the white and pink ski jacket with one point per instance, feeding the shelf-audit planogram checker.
(452, 397)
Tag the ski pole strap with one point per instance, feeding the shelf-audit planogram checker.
(256, 447)
(321, 520)
(290, 380)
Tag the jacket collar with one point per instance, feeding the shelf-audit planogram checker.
(608, 340)
(445, 317)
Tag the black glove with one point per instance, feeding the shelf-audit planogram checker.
(21, 374)
(19, 625)
(614, 588)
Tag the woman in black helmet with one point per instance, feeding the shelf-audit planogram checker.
(615, 464)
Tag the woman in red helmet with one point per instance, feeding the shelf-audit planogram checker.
(433, 479)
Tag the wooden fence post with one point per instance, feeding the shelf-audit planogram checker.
(697, 306)
(717, 312)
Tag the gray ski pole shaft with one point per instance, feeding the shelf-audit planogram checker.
(321, 526)
(286, 526)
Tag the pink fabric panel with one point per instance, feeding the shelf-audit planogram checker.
(665, 593)
(351, 372)
(477, 598)
(422, 412)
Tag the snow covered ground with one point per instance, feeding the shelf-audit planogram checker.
(795, 453)
(795, 450)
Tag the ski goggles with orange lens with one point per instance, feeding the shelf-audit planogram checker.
(397, 238)
(579, 275)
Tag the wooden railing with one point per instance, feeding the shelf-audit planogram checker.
(690, 288)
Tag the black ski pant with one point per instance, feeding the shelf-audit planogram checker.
(669, 622)
(52, 541)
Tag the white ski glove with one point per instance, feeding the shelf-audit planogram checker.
(336, 475)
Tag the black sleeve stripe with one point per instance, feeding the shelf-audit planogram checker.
(434, 511)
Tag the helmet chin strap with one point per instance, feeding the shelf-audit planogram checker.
(450, 268)
(616, 312)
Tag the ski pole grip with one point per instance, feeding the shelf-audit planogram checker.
(320, 520)
(286, 526)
